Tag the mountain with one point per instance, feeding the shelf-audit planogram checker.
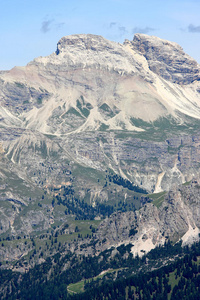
(116, 96)
(146, 79)
(96, 128)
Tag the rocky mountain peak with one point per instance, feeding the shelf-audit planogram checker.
(145, 43)
(166, 59)
(88, 51)
(84, 42)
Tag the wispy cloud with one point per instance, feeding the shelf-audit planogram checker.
(46, 25)
(122, 30)
(112, 24)
(192, 28)
(59, 25)
(51, 23)
(118, 28)
(142, 30)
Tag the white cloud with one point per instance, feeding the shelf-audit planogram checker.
(46, 25)
(142, 30)
(192, 28)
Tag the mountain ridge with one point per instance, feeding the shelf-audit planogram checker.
(131, 85)
(92, 110)
(99, 164)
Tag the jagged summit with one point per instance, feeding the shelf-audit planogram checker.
(140, 79)
(84, 41)
(86, 51)
(127, 77)
(144, 61)
(166, 59)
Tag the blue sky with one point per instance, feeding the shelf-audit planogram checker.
(29, 29)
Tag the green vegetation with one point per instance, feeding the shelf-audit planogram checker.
(42, 149)
(79, 208)
(157, 198)
(178, 280)
(80, 286)
(84, 209)
(65, 275)
(163, 128)
(25, 101)
(187, 183)
(18, 185)
(39, 100)
(105, 108)
(72, 111)
(140, 123)
(126, 184)
(87, 173)
(75, 288)
(103, 127)
(83, 107)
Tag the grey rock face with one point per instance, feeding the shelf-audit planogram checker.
(177, 218)
(166, 59)
(84, 41)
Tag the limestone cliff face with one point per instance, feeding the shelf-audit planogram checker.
(92, 51)
(177, 218)
(166, 59)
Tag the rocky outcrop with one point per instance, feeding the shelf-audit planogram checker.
(166, 59)
(177, 218)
